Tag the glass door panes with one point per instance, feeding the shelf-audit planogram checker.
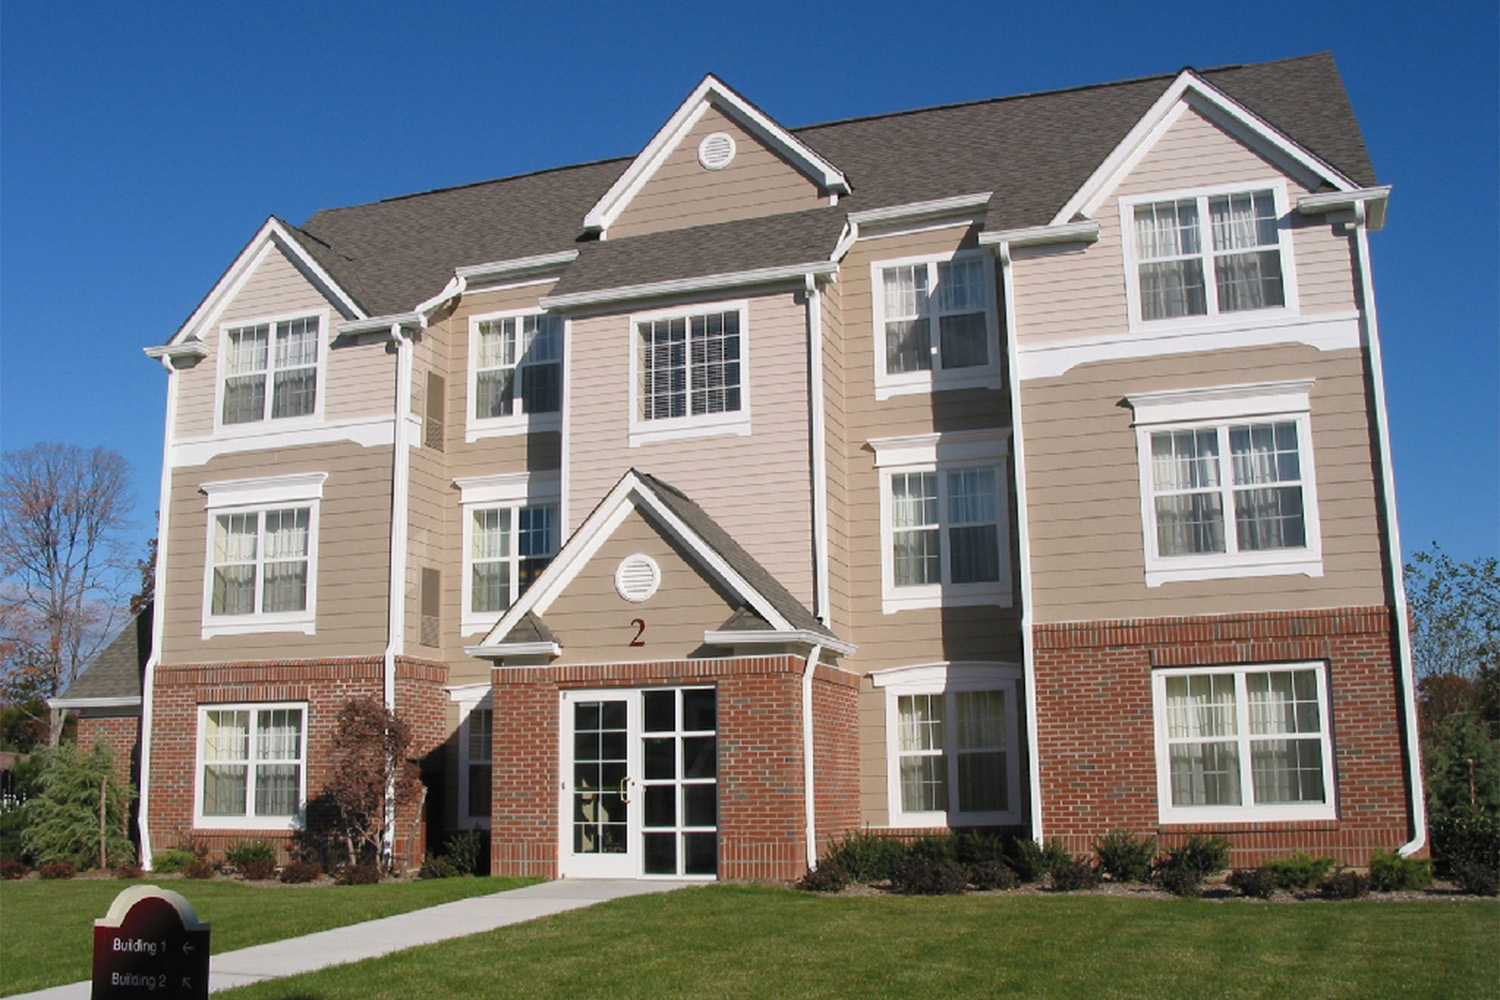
(680, 782)
(600, 793)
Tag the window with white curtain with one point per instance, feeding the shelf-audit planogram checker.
(1243, 743)
(515, 365)
(935, 323)
(1206, 254)
(509, 546)
(261, 571)
(251, 765)
(269, 370)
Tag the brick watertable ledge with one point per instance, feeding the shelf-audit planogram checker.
(309, 671)
(1263, 627)
(668, 671)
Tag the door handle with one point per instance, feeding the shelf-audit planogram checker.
(624, 795)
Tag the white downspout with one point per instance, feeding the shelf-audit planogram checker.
(400, 476)
(1023, 533)
(809, 800)
(1393, 535)
(819, 449)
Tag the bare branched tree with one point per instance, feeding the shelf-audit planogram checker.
(63, 512)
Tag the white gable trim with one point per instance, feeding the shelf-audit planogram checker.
(711, 92)
(272, 233)
(1189, 90)
(629, 494)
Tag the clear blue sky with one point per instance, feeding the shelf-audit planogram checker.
(142, 144)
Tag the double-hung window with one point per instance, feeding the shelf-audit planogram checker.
(944, 516)
(1243, 743)
(952, 744)
(251, 765)
(935, 323)
(689, 373)
(512, 530)
(1227, 482)
(1208, 253)
(515, 373)
(262, 555)
(270, 370)
(479, 731)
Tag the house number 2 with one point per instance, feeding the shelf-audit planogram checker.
(640, 630)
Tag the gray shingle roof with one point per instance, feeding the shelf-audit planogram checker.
(116, 671)
(1034, 151)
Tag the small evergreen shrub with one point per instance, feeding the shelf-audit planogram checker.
(129, 871)
(829, 876)
(1203, 856)
(974, 847)
(1298, 870)
(172, 860)
(259, 869)
(198, 868)
(1390, 872)
(1255, 883)
(437, 866)
(56, 869)
(301, 871)
(868, 858)
(10, 868)
(1032, 861)
(1125, 857)
(465, 850)
(935, 848)
(1478, 879)
(247, 852)
(930, 877)
(1073, 875)
(1469, 837)
(988, 876)
(365, 873)
(1180, 880)
(1345, 884)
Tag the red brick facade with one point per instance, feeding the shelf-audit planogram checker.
(1096, 738)
(120, 733)
(762, 818)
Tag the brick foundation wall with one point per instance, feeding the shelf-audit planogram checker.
(835, 755)
(1096, 738)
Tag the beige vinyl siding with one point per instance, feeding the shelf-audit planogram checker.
(593, 623)
(353, 557)
(836, 436)
(683, 193)
(757, 487)
(1084, 490)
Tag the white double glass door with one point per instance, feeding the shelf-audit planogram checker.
(640, 788)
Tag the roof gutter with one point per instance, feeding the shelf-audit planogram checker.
(1372, 201)
(1086, 231)
(918, 211)
(119, 701)
(682, 286)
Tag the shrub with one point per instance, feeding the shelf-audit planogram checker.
(10, 868)
(259, 869)
(829, 876)
(198, 868)
(1032, 861)
(1203, 856)
(1463, 838)
(56, 869)
(1345, 884)
(1125, 857)
(246, 852)
(369, 759)
(989, 875)
(1180, 880)
(1478, 878)
(437, 866)
(465, 850)
(974, 847)
(935, 848)
(1073, 875)
(1256, 883)
(930, 877)
(172, 860)
(1391, 872)
(365, 873)
(867, 857)
(300, 871)
(129, 871)
(1298, 870)
(62, 821)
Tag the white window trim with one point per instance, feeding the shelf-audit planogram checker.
(907, 383)
(469, 697)
(1218, 407)
(244, 496)
(1213, 320)
(476, 428)
(950, 678)
(936, 453)
(270, 426)
(247, 822)
(703, 425)
(1279, 812)
(517, 489)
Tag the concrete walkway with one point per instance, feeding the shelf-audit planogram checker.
(374, 938)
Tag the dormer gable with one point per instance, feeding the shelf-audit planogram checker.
(717, 158)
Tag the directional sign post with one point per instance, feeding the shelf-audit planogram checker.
(150, 944)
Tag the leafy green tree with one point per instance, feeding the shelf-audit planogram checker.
(61, 818)
(1455, 609)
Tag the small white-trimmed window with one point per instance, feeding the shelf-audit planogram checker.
(689, 373)
(1243, 744)
(512, 529)
(944, 520)
(515, 373)
(261, 571)
(252, 766)
(936, 324)
(1227, 482)
(475, 742)
(1208, 253)
(952, 739)
(271, 369)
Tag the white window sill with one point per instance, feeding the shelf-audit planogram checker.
(1219, 567)
(1240, 319)
(682, 428)
(888, 386)
(944, 819)
(254, 624)
(277, 823)
(1228, 815)
(917, 598)
(512, 426)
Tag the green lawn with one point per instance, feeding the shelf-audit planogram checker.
(47, 928)
(735, 941)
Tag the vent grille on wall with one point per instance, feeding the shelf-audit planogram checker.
(637, 578)
(715, 151)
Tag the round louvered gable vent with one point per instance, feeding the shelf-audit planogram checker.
(637, 578)
(715, 151)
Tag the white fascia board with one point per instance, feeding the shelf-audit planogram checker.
(504, 649)
(1145, 132)
(771, 637)
(1375, 200)
(709, 92)
(962, 204)
(118, 701)
(684, 286)
(519, 265)
(233, 278)
(1086, 231)
(377, 324)
(169, 354)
